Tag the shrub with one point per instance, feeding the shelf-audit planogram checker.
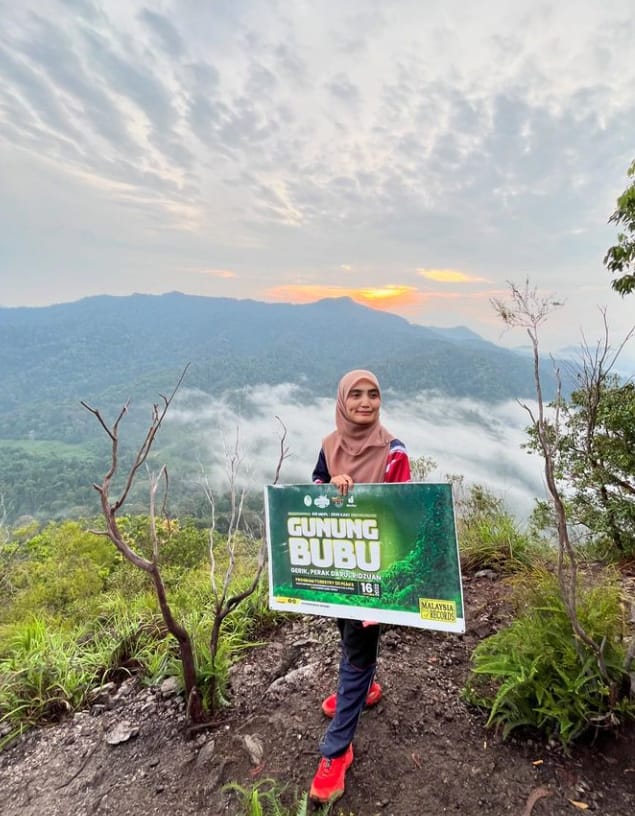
(57, 568)
(536, 673)
(489, 537)
(75, 613)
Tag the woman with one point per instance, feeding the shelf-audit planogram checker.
(360, 450)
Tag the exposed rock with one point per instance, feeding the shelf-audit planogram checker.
(101, 694)
(486, 573)
(254, 747)
(295, 678)
(206, 754)
(170, 687)
(121, 732)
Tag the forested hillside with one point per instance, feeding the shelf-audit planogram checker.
(104, 347)
(105, 350)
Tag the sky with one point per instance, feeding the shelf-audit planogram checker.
(413, 155)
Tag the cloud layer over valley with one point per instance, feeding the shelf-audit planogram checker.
(481, 442)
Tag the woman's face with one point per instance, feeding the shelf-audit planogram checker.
(363, 402)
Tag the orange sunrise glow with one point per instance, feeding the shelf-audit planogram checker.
(377, 297)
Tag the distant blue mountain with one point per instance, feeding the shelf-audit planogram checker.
(459, 334)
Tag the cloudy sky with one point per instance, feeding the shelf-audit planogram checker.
(412, 154)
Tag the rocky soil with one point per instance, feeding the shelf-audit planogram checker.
(422, 751)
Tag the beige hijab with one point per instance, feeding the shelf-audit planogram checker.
(359, 450)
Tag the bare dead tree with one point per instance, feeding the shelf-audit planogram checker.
(595, 366)
(110, 508)
(223, 602)
(528, 309)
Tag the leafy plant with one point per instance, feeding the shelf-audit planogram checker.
(55, 569)
(537, 673)
(265, 798)
(528, 309)
(620, 258)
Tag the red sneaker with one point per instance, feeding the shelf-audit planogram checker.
(329, 705)
(328, 782)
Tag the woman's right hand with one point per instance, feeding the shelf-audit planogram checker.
(343, 482)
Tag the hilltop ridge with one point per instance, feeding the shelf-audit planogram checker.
(106, 348)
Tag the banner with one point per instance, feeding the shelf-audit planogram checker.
(386, 553)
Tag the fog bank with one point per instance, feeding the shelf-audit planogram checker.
(479, 441)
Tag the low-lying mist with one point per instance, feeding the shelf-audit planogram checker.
(482, 442)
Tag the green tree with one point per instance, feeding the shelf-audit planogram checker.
(528, 309)
(598, 461)
(620, 258)
(595, 446)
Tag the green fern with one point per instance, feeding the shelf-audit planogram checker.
(535, 673)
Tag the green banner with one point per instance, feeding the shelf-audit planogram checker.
(385, 552)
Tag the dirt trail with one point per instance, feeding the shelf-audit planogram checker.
(420, 751)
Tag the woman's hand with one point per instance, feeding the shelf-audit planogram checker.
(343, 482)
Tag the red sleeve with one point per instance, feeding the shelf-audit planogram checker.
(397, 466)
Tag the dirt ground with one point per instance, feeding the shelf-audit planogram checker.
(421, 751)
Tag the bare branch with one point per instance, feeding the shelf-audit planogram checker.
(284, 451)
(154, 486)
(3, 518)
(100, 419)
(158, 415)
(528, 409)
(224, 604)
(529, 310)
(209, 494)
(233, 602)
(109, 511)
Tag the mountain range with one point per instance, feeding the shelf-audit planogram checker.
(105, 349)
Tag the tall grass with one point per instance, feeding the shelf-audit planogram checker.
(490, 537)
(43, 674)
(54, 649)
